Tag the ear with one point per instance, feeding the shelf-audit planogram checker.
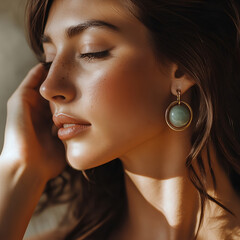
(180, 80)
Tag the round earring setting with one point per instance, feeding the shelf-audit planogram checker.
(178, 114)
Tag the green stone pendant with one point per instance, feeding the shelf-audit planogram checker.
(178, 115)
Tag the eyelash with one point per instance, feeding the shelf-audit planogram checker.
(89, 56)
(95, 55)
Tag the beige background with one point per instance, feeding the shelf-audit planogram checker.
(15, 56)
(15, 60)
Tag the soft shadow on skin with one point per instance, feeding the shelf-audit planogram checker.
(168, 166)
(217, 222)
(233, 234)
(230, 231)
(164, 228)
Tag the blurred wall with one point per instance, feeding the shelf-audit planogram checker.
(15, 56)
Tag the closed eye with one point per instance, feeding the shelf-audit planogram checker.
(95, 55)
(88, 56)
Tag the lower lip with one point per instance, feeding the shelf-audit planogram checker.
(70, 132)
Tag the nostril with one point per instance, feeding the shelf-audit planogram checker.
(53, 90)
(59, 97)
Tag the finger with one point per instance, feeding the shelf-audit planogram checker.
(34, 78)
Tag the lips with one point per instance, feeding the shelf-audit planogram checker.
(69, 127)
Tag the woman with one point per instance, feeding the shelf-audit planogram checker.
(145, 96)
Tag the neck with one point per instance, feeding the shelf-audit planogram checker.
(162, 202)
(161, 199)
(166, 209)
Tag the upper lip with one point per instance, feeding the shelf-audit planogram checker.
(61, 118)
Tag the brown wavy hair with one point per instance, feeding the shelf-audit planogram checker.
(203, 38)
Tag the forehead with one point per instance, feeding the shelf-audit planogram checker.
(72, 12)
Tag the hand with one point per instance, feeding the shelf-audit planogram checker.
(29, 141)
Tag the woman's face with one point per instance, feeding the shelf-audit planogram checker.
(103, 73)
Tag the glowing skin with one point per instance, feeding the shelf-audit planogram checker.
(122, 95)
(123, 92)
(107, 76)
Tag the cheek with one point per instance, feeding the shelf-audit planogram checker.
(124, 103)
(128, 90)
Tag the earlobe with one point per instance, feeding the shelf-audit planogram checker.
(180, 81)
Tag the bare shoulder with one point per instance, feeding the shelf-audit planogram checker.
(221, 224)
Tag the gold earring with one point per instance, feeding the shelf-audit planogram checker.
(179, 114)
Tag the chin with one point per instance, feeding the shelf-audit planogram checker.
(80, 158)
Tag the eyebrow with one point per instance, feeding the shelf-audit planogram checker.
(75, 30)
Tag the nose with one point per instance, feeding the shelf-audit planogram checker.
(59, 85)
